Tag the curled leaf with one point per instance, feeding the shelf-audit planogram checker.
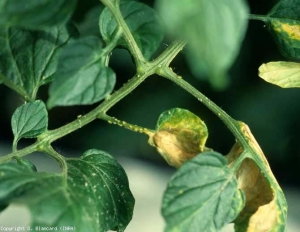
(180, 135)
(283, 74)
(266, 207)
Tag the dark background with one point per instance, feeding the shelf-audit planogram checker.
(272, 113)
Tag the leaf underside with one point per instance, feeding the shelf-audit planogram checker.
(283, 74)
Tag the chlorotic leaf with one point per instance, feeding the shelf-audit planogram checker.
(29, 58)
(214, 31)
(93, 195)
(36, 14)
(180, 135)
(203, 195)
(82, 77)
(284, 24)
(29, 120)
(266, 208)
(143, 23)
(283, 74)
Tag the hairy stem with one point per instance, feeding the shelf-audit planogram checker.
(21, 153)
(258, 17)
(99, 112)
(48, 149)
(170, 53)
(133, 47)
(231, 123)
(135, 128)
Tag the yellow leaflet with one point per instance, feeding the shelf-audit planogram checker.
(266, 207)
(283, 74)
(292, 30)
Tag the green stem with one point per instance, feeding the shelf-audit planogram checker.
(112, 44)
(169, 54)
(237, 163)
(232, 124)
(48, 149)
(132, 45)
(258, 17)
(15, 145)
(50, 136)
(101, 109)
(14, 87)
(20, 153)
(135, 128)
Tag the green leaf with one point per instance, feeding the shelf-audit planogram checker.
(89, 25)
(283, 74)
(26, 163)
(35, 14)
(180, 135)
(29, 58)
(202, 195)
(29, 120)
(143, 23)
(214, 31)
(93, 195)
(82, 77)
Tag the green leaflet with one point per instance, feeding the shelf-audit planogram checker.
(26, 163)
(94, 196)
(202, 195)
(142, 22)
(284, 24)
(89, 25)
(35, 14)
(283, 74)
(82, 77)
(214, 31)
(29, 58)
(29, 120)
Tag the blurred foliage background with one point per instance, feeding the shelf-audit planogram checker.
(272, 113)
